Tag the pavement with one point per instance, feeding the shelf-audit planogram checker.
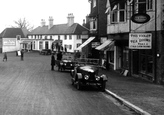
(138, 94)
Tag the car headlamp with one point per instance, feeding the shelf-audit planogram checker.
(61, 63)
(97, 78)
(86, 77)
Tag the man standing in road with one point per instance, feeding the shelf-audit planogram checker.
(22, 53)
(52, 61)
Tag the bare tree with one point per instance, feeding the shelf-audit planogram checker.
(23, 23)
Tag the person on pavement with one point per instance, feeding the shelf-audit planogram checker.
(52, 61)
(22, 55)
(5, 56)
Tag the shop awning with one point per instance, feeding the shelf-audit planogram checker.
(85, 43)
(25, 42)
(105, 45)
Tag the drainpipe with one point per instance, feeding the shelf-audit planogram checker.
(130, 73)
(155, 46)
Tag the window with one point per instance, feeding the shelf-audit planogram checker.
(149, 4)
(94, 3)
(93, 24)
(70, 47)
(140, 6)
(18, 37)
(146, 61)
(50, 37)
(40, 45)
(70, 37)
(78, 45)
(119, 13)
(65, 37)
(58, 37)
(78, 37)
(34, 44)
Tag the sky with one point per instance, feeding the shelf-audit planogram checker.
(35, 10)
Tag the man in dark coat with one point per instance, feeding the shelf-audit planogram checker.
(59, 56)
(52, 61)
(22, 54)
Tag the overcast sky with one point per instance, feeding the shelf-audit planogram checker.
(35, 10)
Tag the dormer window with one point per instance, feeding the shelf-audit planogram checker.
(94, 3)
(18, 37)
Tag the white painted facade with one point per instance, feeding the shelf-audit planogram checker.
(70, 43)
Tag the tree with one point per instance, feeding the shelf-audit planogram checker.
(23, 23)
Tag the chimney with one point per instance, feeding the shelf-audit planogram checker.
(83, 22)
(70, 19)
(50, 22)
(43, 22)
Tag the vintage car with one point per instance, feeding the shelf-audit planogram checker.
(88, 75)
(46, 52)
(66, 64)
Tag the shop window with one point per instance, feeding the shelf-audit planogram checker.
(111, 56)
(146, 61)
(125, 58)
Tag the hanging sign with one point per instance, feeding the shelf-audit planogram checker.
(140, 41)
(140, 18)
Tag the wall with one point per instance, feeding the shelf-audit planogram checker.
(10, 44)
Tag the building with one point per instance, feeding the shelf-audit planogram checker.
(97, 20)
(69, 36)
(10, 39)
(138, 47)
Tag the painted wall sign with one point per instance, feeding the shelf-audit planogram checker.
(140, 41)
(9, 42)
(140, 18)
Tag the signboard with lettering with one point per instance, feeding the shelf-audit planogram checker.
(140, 18)
(95, 44)
(140, 41)
(9, 42)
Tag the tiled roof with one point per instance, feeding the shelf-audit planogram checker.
(12, 33)
(60, 29)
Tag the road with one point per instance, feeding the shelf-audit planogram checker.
(29, 87)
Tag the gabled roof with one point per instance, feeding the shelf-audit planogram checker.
(12, 33)
(60, 29)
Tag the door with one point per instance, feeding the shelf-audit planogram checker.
(135, 61)
(46, 45)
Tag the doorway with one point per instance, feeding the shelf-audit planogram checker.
(135, 62)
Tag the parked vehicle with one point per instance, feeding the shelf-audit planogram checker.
(66, 65)
(46, 52)
(88, 75)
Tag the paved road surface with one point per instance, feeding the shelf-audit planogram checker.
(29, 88)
